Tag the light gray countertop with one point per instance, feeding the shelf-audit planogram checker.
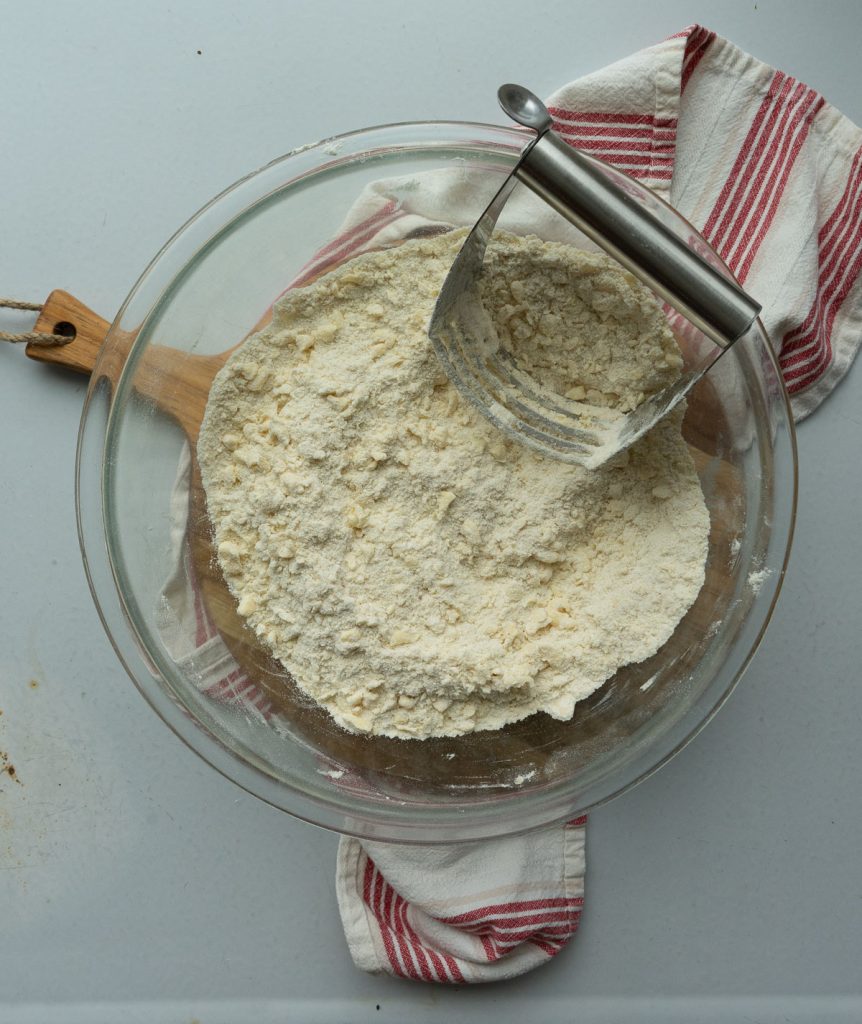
(138, 885)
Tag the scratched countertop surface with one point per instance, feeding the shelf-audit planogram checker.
(136, 884)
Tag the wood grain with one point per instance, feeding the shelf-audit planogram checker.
(177, 382)
(61, 309)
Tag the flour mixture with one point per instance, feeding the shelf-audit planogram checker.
(418, 573)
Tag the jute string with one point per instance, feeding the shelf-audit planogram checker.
(37, 337)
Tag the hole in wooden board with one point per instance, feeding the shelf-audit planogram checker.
(65, 329)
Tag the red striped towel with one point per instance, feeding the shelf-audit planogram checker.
(773, 176)
(763, 165)
(478, 912)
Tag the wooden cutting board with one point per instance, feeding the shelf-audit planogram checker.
(552, 749)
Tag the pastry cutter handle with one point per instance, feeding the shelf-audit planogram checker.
(593, 198)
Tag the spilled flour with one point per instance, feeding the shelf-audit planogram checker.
(418, 573)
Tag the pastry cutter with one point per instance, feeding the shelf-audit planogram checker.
(602, 203)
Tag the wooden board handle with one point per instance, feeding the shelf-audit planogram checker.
(61, 314)
(175, 381)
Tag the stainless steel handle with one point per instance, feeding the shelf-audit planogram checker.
(584, 195)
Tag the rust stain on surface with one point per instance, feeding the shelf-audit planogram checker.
(7, 768)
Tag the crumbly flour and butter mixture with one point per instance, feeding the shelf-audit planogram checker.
(416, 572)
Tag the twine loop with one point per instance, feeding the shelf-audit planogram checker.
(34, 337)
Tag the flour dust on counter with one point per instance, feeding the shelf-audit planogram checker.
(418, 573)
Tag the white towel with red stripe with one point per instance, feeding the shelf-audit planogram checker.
(772, 175)
(478, 912)
(767, 170)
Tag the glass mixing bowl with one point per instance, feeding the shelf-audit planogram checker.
(207, 290)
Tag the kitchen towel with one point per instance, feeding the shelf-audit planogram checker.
(482, 911)
(772, 176)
